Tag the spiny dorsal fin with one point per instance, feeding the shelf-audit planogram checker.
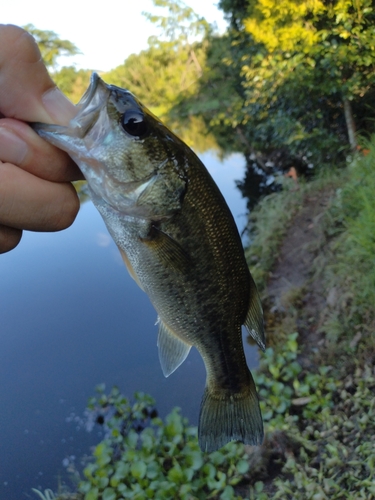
(172, 350)
(254, 317)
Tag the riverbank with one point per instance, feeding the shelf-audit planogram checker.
(313, 254)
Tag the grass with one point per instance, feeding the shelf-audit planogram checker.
(350, 273)
(273, 215)
(268, 224)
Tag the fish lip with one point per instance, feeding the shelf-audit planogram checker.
(90, 92)
(88, 110)
(90, 105)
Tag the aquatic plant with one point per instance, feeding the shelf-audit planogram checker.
(47, 495)
(143, 456)
(329, 444)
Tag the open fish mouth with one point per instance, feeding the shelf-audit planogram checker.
(90, 92)
(90, 105)
(88, 110)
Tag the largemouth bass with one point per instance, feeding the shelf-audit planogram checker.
(179, 242)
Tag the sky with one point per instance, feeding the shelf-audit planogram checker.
(105, 35)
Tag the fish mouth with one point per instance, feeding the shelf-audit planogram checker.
(88, 110)
(90, 91)
(91, 103)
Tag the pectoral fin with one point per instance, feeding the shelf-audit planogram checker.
(254, 317)
(172, 350)
(167, 250)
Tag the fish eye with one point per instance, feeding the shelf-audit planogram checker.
(134, 123)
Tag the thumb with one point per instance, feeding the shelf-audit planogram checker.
(27, 92)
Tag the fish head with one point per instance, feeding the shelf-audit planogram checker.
(128, 157)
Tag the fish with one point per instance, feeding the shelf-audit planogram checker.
(180, 244)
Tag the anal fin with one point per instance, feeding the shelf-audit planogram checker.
(254, 318)
(172, 350)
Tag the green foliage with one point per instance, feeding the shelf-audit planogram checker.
(161, 460)
(168, 71)
(158, 74)
(328, 410)
(51, 46)
(47, 495)
(218, 98)
(181, 23)
(330, 425)
(349, 272)
(299, 65)
(356, 202)
(72, 82)
(289, 395)
(325, 47)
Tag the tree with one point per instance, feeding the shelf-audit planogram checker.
(169, 70)
(72, 82)
(326, 46)
(51, 46)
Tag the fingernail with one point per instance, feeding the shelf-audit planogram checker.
(12, 148)
(58, 106)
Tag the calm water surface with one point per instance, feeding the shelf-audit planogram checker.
(70, 318)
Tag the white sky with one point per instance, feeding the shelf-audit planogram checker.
(105, 33)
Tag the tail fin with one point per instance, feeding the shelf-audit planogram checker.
(228, 417)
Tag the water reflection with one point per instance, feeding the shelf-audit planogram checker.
(71, 317)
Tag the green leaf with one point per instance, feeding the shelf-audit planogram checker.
(242, 466)
(228, 493)
(195, 459)
(109, 494)
(175, 474)
(93, 494)
(138, 469)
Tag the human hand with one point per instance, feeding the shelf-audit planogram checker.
(35, 189)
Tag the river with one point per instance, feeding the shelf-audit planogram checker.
(71, 318)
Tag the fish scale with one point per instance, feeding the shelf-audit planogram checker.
(179, 242)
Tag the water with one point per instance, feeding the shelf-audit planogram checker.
(71, 318)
